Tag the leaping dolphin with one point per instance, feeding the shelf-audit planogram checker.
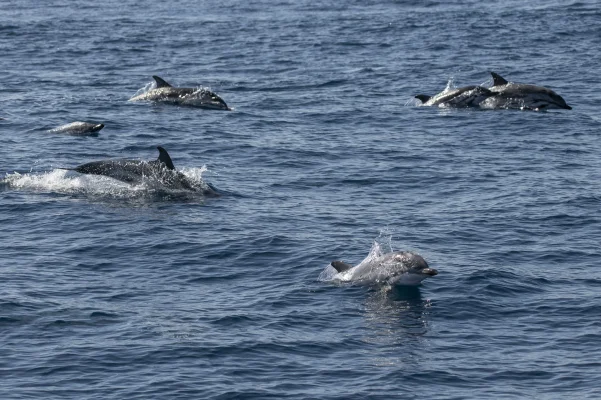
(468, 96)
(135, 171)
(403, 268)
(522, 96)
(79, 128)
(196, 97)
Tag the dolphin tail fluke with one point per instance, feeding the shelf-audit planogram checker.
(341, 266)
(498, 80)
(423, 98)
(164, 158)
(160, 82)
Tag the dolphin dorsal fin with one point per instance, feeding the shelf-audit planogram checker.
(498, 80)
(423, 97)
(160, 82)
(341, 266)
(164, 158)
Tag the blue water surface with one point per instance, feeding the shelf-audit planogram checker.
(110, 291)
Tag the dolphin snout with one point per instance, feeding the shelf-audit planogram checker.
(567, 107)
(98, 127)
(429, 271)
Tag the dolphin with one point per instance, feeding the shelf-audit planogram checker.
(402, 268)
(196, 97)
(522, 96)
(135, 171)
(467, 96)
(79, 128)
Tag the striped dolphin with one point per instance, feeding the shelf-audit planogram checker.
(79, 128)
(522, 96)
(161, 170)
(196, 97)
(402, 268)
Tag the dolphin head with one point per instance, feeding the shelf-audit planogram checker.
(544, 99)
(96, 127)
(408, 268)
(558, 100)
(204, 98)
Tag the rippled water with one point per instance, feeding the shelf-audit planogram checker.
(112, 291)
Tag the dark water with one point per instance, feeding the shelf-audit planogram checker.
(117, 292)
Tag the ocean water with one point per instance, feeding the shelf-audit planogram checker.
(118, 292)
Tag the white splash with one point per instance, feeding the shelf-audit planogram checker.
(378, 249)
(147, 88)
(450, 85)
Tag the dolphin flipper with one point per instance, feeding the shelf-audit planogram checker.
(498, 80)
(423, 97)
(164, 158)
(160, 82)
(341, 266)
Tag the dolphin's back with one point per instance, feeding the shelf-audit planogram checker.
(446, 96)
(467, 96)
(130, 171)
(521, 89)
(375, 270)
(395, 263)
(166, 93)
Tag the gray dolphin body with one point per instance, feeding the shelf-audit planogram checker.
(396, 268)
(135, 171)
(79, 128)
(467, 96)
(522, 96)
(196, 97)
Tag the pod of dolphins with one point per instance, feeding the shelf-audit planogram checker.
(395, 268)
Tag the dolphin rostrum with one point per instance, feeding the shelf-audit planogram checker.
(467, 96)
(403, 268)
(79, 128)
(196, 97)
(522, 96)
(136, 171)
